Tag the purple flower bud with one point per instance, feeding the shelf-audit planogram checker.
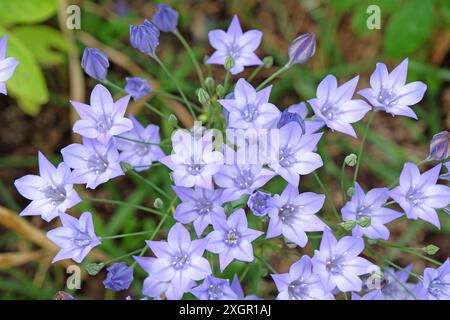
(137, 87)
(302, 48)
(260, 203)
(119, 277)
(440, 146)
(95, 63)
(287, 116)
(144, 37)
(165, 18)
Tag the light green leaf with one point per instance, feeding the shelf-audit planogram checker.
(445, 4)
(27, 83)
(26, 11)
(49, 46)
(407, 30)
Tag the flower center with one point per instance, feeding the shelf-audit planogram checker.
(215, 291)
(194, 169)
(298, 290)
(335, 264)
(244, 180)
(233, 238)
(204, 207)
(180, 260)
(249, 113)
(97, 164)
(287, 157)
(329, 110)
(81, 240)
(141, 149)
(387, 97)
(104, 123)
(439, 288)
(362, 212)
(233, 50)
(414, 197)
(288, 213)
(56, 194)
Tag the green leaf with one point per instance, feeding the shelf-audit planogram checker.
(343, 5)
(407, 30)
(27, 83)
(49, 46)
(26, 11)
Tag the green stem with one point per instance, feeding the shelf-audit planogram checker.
(268, 266)
(123, 256)
(410, 250)
(169, 74)
(373, 252)
(255, 72)
(124, 235)
(361, 146)
(327, 195)
(344, 197)
(149, 183)
(272, 76)
(142, 142)
(117, 202)
(225, 83)
(191, 55)
(146, 104)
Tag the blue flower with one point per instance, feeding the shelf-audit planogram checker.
(165, 18)
(7, 65)
(260, 203)
(137, 87)
(119, 277)
(104, 118)
(50, 191)
(302, 48)
(435, 284)
(389, 92)
(145, 37)
(95, 63)
(235, 44)
(214, 288)
(75, 238)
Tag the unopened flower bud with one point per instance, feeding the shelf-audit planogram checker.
(94, 268)
(209, 84)
(203, 96)
(365, 222)
(302, 49)
(95, 63)
(348, 225)
(172, 119)
(350, 160)
(350, 192)
(440, 146)
(268, 62)
(220, 90)
(126, 166)
(158, 203)
(430, 249)
(165, 18)
(229, 63)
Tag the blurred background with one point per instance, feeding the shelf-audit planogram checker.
(36, 115)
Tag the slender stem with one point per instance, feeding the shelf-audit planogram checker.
(149, 183)
(327, 195)
(272, 76)
(361, 146)
(169, 74)
(124, 235)
(123, 256)
(146, 104)
(175, 97)
(410, 250)
(255, 72)
(268, 266)
(343, 182)
(225, 83)
(244, 273)
(191, 55)
(117, 202)
(373, 252)
(140, 141)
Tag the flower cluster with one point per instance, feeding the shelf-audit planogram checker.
(216, 180)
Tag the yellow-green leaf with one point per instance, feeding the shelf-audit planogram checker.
(26, 11)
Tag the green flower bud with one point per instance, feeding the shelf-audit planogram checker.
(94, 268)
(348, 225)
(350, 192)
(430, 249)
(350, 160)
(365, 222)
(268, 62)
(220, 90)
(209, 84)
(229, 63)
(172, 119)
(158, 203)
(126, 166)
(203, 96)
